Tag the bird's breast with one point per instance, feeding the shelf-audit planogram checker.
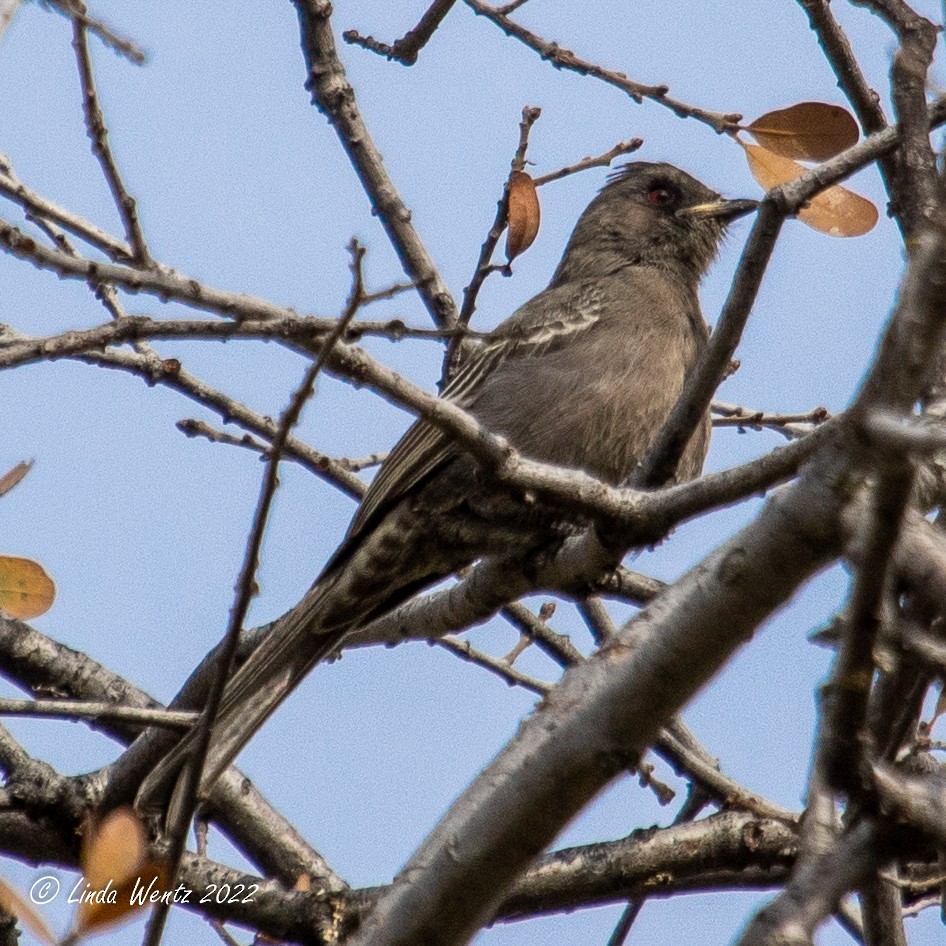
(598, 402)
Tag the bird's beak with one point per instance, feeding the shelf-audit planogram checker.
(722, 210)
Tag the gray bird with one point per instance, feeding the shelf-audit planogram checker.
(583, 375)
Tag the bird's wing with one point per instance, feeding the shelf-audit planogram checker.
(425, 447)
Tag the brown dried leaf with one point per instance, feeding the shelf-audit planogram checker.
(118, 874)
(524, 214)
(112, 902)
(13, 902)
(835, 211)
(26, 591)
(808, 131)
(114, 848)
(12, 477)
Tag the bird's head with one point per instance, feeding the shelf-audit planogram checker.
(653, 215)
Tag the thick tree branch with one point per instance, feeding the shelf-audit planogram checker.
(42, 666)
(606, 711)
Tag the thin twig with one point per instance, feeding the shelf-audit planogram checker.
(405, 49)
(123, 45)
(563, 58)
(38, 208)
(182, 812)
(530, 116)
(502, 669)
(790, 425)
(191, 427)
(660, 464)
(96, 710)
(295, 451)
(224, 934)
(677, 745)
(98, 135)
(558, 646)
(355, 464)
(288, 326)
(106, 293)
(596, 616)
(585, 164)
(626, 921)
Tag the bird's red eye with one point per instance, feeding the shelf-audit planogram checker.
(661, 196)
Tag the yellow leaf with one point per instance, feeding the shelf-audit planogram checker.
(117, 871)
(13, 476)
(808, 131)
(835, 211)
(524, 214)
(15, 903)
(26, 591)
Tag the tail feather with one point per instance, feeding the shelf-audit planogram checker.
(296, 643)
(376, 572)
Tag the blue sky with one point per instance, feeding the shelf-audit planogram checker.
(242, 184)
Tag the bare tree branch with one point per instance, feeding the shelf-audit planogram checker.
(98, 135)
(335, 98)
(405, 49)
(41, 665)
(563, 58)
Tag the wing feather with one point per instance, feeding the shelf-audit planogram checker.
(425, 447)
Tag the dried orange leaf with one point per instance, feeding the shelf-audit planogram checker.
(113, 902)
(835, 211)
(15, 903)
(12, 477)
(114, 848)
(808, 131)
(26, 591)
(524, 214)
(119, 876)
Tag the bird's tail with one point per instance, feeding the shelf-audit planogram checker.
(366, 578)
(294, 645)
